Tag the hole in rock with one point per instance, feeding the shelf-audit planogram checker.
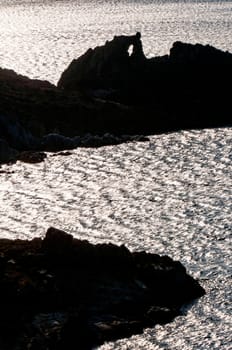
(130, 50)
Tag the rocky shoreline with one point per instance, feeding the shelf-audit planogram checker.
(60, 292)
(107, 96)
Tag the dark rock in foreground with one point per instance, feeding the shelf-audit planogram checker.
(63, 293)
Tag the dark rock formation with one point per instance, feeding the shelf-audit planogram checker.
(16, 136)
(63, 293)
(36, 116)
(185, 89)
(7, 154)
(32, 109)
(107, 66)
(31, 157)
(198, 54)
(110, 91)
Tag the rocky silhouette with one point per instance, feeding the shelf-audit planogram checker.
(115, 90)
(188, 74)
(64, 293)
(106, 67)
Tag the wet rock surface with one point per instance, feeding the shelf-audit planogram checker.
(60, 292)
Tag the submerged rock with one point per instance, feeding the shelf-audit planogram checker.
(63, 293)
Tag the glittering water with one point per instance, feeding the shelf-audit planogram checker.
(39, 38)
(172, 195)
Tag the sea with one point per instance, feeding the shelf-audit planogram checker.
(171, 195)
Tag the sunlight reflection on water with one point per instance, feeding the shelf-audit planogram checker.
(40, 38)
(172, 195)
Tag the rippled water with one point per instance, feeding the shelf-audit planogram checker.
(172, 195)
(39, 38)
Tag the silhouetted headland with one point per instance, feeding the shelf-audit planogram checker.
(64, 293)
(111, 94)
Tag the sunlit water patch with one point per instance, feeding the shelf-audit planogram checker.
(40, 38)
(172, 195)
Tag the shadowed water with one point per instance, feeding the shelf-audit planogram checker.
(172, 195)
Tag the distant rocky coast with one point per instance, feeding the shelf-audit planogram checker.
(108, 96)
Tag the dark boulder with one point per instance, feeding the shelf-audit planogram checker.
(31, 157)
(61, 292)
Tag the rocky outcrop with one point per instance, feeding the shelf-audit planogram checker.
(36, 116)
(63, 293)
(198, 54)
(107, 66)
(17, 143)
(110, 67)
(185, 89)
(33, 108)
(114, 89)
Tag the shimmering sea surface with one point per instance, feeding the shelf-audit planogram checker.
(39, 38)
(172, 195)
